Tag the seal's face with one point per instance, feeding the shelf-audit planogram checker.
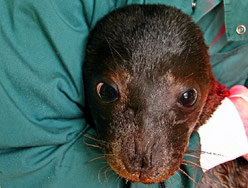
(147, 78)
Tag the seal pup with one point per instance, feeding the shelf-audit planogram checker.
(149, 86)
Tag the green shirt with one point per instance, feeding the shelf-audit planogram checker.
(42, 122)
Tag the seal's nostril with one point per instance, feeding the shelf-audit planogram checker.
(133, 160)
(143, 163)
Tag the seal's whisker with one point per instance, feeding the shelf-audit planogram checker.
(203, 152)
(93, 145)
(192, 163)
(179, 180)
(193, 156)
(118, 180)
(109, 154)
(186, 164)
(106, 179)
(205, 174)
(97, 158)
(105, 173)
(99, 172)
(186, 174)
(172, 185)
(95, 139)
(193, 151)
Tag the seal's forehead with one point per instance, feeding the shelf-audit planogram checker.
(149, 76)
(145, 83)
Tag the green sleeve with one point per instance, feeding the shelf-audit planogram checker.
(42, 100)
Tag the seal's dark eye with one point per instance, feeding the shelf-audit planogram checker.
(188, 98)
(106, 92)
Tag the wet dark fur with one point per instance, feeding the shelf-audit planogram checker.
(232, 174)
(151, 55)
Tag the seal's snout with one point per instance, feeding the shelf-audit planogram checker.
(145, 160)
(146, 150)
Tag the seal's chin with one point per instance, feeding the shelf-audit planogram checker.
(142, 177)
(146, 176)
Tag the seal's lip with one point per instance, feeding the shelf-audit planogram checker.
(142, 177)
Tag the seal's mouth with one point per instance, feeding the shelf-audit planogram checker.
(143, 176)
(146, 179)
(147, 175)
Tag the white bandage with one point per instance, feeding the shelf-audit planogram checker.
(223, 137)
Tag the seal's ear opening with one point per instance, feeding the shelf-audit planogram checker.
(216, 94)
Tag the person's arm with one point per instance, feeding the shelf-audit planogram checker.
(224, 136)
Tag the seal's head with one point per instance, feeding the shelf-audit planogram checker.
(148, 83)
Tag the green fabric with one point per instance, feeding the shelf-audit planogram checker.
(236, 14)
(42, 121)
(229, 57)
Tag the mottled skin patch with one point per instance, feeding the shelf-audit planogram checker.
(152, 55)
